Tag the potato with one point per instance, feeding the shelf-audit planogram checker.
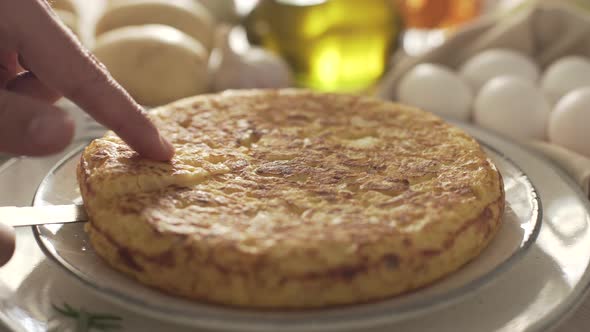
(188, 16)
(157, 64)
(66, 5)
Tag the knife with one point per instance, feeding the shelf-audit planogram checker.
(41, 215)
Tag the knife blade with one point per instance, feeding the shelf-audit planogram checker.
(40, 215)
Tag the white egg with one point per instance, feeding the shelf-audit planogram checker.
(565, 75)
(513, 107)
(489, 64)
(568, 123)
(436, 89)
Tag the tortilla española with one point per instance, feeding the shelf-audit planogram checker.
(292, 199)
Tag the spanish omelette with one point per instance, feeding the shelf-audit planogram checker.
(292, 199)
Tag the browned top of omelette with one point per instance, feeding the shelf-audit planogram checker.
(297, 186)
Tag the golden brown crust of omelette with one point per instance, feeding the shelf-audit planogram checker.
(292, 199)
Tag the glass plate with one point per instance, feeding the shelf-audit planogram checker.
(68, 245)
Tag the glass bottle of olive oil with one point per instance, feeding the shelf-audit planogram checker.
(332, 45)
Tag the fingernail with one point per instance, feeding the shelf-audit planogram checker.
(167, 146)
(50, 128)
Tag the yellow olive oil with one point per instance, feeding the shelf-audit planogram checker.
(331, 45)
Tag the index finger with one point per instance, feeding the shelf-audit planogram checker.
(59, 60)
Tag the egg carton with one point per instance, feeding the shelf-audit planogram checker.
(545, 33)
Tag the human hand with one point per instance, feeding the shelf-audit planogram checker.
(7, 243)
(57, 64)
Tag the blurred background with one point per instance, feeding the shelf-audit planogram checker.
(346, 45)
(520, 68)
(328, 45)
